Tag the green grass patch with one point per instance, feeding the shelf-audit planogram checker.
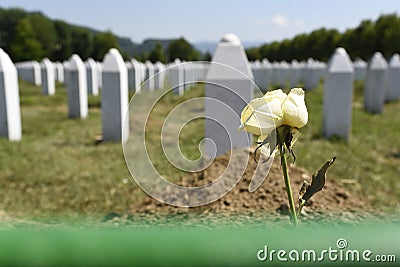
(58, 169)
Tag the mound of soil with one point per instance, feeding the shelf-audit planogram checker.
(270, 197)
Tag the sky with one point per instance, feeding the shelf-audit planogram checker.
(209, 20)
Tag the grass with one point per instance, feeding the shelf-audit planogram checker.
(58, 169)
(369, 162)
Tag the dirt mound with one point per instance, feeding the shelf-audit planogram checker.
(270, 196)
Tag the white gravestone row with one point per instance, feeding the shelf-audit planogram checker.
(376, 84)
(10, 114)
(181, 76)
(134, 76)
(77, 88)
(193, 72)
(295, 73)
(92, 77)
(159, 79)
(48, 79)
(228, 89)
(149, 79)
(393, 91)
(114, 97)
(360, 69)
(280, 73)
(262, 72)
(314, 72)
(176, 77)
(152, 79)
(338, 95)
(59, 70)
(30, 71)
(284, 72)
(188, 75)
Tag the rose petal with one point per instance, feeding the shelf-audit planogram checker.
(294, 109)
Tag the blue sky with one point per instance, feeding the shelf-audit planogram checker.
(208, 20)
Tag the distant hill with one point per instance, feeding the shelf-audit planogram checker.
(209, 47)
(132, 49)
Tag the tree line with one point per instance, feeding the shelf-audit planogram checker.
(369, 36)
(33, 36)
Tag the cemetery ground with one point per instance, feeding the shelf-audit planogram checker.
(60, 170)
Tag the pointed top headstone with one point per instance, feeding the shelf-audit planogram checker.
(231, 39)
(340, 62)
(395, 61)
(378, 62)
(231, 53)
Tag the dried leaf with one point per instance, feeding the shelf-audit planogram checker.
(303, 190)
(318, 181)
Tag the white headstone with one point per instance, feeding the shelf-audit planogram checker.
(176, 77)
(228, 89)
(188, 74)
(276, 73)
(285, 73)
(142, 72)
(295, 73)
(393, 92)
(338, 95)
(92, 77)
(10, 114)
(30, 71)
(60, 72)
(48, 79)
(65, 70)
(360, 69)
(114, 97)
(135, 75)
(376, 85)
(99, 74)
(77, 88)
(160, 75)
(149, 76)
(313, 74)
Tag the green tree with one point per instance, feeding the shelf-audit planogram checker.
(253, 53)
(207, 56)
(25, 46)
(387, 31)
(183, 50)
(157, 54)
(63, 45)
(45, 32)
(102, 43)
(9, 18)
(82, 43)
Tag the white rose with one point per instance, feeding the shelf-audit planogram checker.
(275, 109)
(263, 114)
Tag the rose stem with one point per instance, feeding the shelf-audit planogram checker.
(292, 209)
